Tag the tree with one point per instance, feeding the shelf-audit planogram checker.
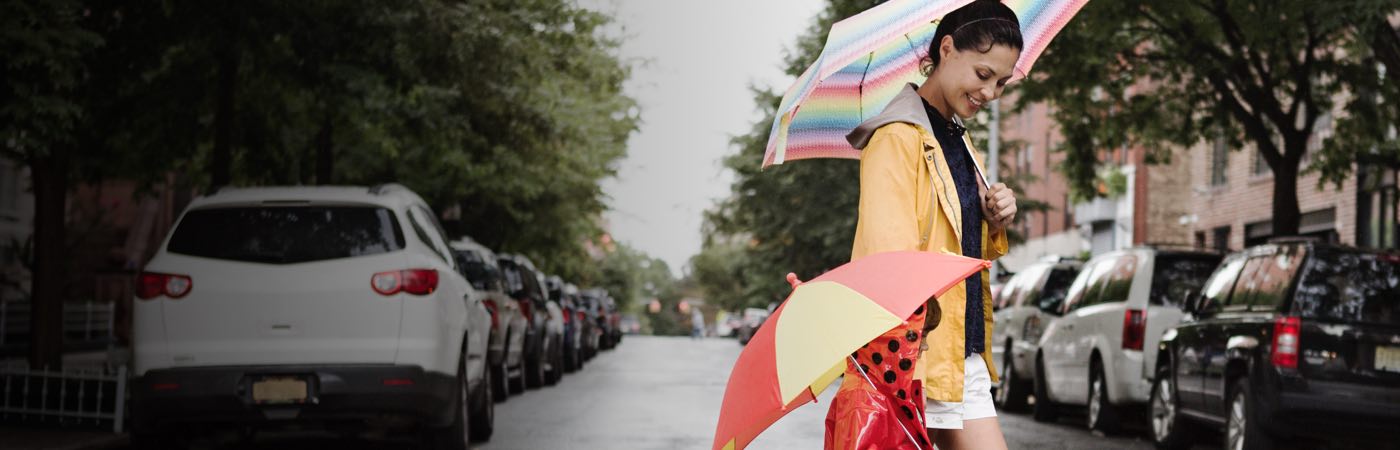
(510, 111)
(1169, 75)
(41, 110)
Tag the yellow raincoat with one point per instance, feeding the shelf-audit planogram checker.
(908, 202)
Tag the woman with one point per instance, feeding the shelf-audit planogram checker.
(921, 189)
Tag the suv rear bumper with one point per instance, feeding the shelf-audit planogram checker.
(223, 395)
(1335, 410)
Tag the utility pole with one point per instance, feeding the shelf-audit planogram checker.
(994, 159)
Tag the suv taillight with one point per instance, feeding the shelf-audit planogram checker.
(1134, 327)
(1286, 334)
(495, 313)
(568, 316)
(150, 285)
(527, 310)
(411, 281)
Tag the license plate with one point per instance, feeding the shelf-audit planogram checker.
(279, 390)
(1388, 358)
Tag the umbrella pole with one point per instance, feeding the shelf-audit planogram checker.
(872, 384)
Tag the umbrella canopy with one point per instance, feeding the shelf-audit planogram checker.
(869, 57)
(800, 350)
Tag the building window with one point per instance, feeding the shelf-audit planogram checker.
(1220, 237)
(1260, 167)
(1200, 239)
(1376, 208)
(1219, 162)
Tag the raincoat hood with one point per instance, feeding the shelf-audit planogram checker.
(906, 107)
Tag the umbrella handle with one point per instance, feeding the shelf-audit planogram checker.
(792, 279)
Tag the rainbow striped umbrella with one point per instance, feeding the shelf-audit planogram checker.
(868, 58)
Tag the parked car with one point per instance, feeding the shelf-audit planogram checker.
(1100, 351)
(329, 306)
(1288, 341)
(506, 350)
(612, 331)
(1030, 300)
(592, 300)
(753, 318)
(566, 294)
(543, 330)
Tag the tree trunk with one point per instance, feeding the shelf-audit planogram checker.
(325, 153)
(1287, 217)
(49, 174)
(220, 171)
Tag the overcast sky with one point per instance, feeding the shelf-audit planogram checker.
(699, 59)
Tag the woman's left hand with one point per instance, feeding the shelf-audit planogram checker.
(999, 206)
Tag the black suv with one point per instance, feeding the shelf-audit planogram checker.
(1288, 342)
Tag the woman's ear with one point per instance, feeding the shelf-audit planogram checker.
(946, 48)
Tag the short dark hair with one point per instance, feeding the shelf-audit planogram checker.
(979, 25)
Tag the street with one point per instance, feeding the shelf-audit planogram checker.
(665, 393)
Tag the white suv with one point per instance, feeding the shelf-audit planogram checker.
(1024, 306)
(1101, 351)
(333, 306)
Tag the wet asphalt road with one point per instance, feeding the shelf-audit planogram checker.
(664, 393)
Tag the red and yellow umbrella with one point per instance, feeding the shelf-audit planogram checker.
(800, 350)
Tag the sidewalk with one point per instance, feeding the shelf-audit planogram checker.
(16, 437)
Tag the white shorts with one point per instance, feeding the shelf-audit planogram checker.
(977, 399)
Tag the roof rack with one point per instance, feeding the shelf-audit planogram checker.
(1177, 246)
(383, 188)
(1296, 239)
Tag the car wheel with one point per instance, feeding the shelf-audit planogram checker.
(1045, 410)
(570, 359)
(556, 363)
(1243, 429)
(1102, 414)
(484, 413)
(453, 436)
(534, 369)
(1169, 430)
(1012, 392)
(499, 389)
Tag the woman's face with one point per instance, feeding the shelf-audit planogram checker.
(969, 79)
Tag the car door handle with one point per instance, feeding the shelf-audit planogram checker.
(1069, 326)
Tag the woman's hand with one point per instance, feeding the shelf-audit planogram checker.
(999, 206)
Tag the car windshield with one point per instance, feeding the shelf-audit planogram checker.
(1350, 286)
(286, 234)
(1175, 276)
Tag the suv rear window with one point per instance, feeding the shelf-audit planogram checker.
(286, 234)
(1350, 286)
(1174, 276)
(1052, 294)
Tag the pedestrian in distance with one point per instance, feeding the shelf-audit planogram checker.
(921, 188)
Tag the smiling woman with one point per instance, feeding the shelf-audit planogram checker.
(921, 189)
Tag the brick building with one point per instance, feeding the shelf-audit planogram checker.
(1232, 195)
(1148, 210)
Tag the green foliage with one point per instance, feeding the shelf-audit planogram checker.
(43, 69)
(1168, 75)
(510, 111)
(634, 279)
